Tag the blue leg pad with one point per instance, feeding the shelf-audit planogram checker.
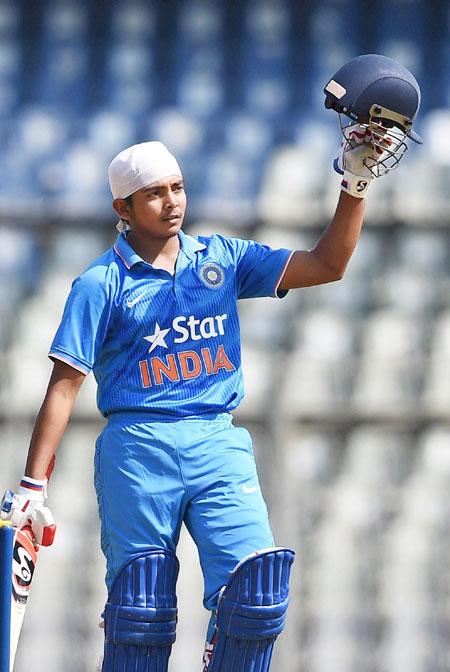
(141, 614)
(252, 611)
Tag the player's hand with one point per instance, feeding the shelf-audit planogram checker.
(26, 507)
(355, 158)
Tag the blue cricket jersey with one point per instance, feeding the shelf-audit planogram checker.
(161, 343)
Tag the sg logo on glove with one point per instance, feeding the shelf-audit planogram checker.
(362, 184)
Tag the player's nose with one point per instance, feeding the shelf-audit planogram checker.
(170, 201)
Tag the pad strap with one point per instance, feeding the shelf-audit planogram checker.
(140, 626)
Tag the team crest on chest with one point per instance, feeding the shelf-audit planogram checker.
(212, 275)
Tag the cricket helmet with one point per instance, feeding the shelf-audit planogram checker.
(381, 94)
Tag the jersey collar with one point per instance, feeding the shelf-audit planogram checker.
(189, 245)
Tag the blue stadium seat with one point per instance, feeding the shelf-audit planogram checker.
(266, 95)
(258, 388)
(38, 139)
(265, 67)
(39, 131)
(201, 93)
(129, 84)
(9, 19)
(20, 192)
(400, 31)
(266, 40)
(246, 140)
(62, 73)
(318, 378)
(198, 58)
(425, 251)
(320, 137)
(10, 80)
(378, 456)
(84, 182)
(73, 249)
(436, 388)
(334, 37)
(200, 36)
(444, 79)
(20, 261)
(11, 58)
(292, 190)
(435, 128)
(181, 132)
(389, 376)
(132, 21)
(246, 135)
(65, 21)
(109, 132)
(200, 22)
(229, 185)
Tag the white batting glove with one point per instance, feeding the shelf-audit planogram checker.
(354, 159)
(26, 507)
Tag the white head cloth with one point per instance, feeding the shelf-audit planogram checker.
(137, 167)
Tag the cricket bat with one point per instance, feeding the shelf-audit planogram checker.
(23, 566)
(25, 554)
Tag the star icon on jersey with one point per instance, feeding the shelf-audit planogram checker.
(158, 337)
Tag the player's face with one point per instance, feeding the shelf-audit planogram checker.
(157, 210)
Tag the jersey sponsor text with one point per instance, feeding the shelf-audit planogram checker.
(184, 365)
(188, 328)
(209, 327)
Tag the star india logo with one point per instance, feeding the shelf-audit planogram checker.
(187, 328)
(185, 364)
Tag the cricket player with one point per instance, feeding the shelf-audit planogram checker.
(155, 318)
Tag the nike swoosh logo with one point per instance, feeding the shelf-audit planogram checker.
(132, 303)
(247, 489)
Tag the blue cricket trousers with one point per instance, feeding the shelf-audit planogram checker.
(150, 476)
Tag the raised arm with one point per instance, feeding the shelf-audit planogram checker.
(329, 258)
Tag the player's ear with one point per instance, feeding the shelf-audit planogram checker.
(122, 208)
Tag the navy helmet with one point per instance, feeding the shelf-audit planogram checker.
(373, 88)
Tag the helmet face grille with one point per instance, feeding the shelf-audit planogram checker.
(388, 144)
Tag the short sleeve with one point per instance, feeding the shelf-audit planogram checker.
(84, 323)
(259, 269)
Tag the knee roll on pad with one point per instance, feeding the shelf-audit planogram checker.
(252, 611)
(141, 614)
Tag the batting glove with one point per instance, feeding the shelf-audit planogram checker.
(353, 162)
(26, 508)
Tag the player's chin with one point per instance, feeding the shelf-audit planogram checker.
(172, 226)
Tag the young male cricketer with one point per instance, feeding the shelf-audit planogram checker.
(155, 318)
